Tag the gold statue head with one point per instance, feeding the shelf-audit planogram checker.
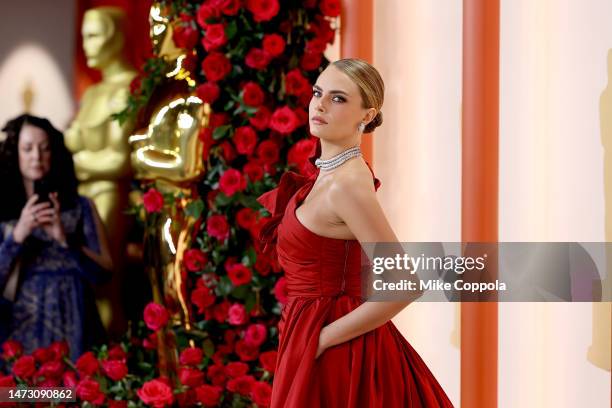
(103, 37)
(161, 33)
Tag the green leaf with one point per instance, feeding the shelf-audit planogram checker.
(249, 201)
(195, 208)
(222, 200)
(224, 287)
(208, 347)
(240, 292)
(250, 301)
(221, 131)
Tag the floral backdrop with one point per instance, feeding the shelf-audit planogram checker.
(254, 62)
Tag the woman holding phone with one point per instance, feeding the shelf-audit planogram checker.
(52, 243)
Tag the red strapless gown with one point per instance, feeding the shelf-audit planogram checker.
(376, 369)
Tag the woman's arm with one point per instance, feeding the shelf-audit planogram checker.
(103, 257)
(353, 199)
(9, 251)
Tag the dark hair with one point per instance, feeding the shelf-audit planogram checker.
(61, 177)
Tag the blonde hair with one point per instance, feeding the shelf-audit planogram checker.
(370, 84)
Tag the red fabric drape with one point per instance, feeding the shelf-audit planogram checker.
(138, 44)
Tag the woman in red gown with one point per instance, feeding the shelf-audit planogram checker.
(335, 349)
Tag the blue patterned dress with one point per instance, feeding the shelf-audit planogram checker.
(54, 300)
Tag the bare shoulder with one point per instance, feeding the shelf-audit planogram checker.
(353, 182)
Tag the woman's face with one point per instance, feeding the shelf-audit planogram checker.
(34, 152)
(335, 109)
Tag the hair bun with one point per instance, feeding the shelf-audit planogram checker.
(376, 122)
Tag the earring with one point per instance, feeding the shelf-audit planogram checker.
(361, 127)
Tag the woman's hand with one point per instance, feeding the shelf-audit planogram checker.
(322, 342)
(52, 222)
(30, 218)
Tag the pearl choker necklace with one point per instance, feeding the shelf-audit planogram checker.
(339, 159)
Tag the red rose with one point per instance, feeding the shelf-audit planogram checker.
(230, 7)
(242, 385)
(245, 139)
(302, 116)
(216, 66)
(255, 335)
(227, 151)
(156, 393)
(239, 274)
(268, 152)
(69, 379)
(261, 393)
(296, 83)
(316, 45)
(206, 12)
(257, 58)
(273, 44)
(202, 297)
(330, 8)
(191, 356)
(87, 364)
(310, 61)
(268, 360)
(11, 349)
(217, 227)
(214, 37)
(7, 381)
(218, 119)
(209, 395)
(246, 352)
(284, 120)
(280, 290)
(262, 266)
(150, 343)
(51, 370)
(220, 311)
(236, 369)
(117, 404)
(24, 367)
(263, 10)
(185, 36)
(115, 369)
(89, 390)
(59, 350)
(237, 314)
(190, 377)
(261, 119)
(155, 316)
(300, 152)
(231, 182)
(246, 217)
(322, 29)
(194, 259)
(117, 353)
(252, 95)
(216, 374)
(153, 201)
(42, 355)
(208, 92)
(253, 171)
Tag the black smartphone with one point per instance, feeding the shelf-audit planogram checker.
(42, 189)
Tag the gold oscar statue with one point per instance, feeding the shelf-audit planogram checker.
(166, 150)
(100, 145)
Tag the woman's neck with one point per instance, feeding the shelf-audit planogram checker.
(29, 187)
(330, 149)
